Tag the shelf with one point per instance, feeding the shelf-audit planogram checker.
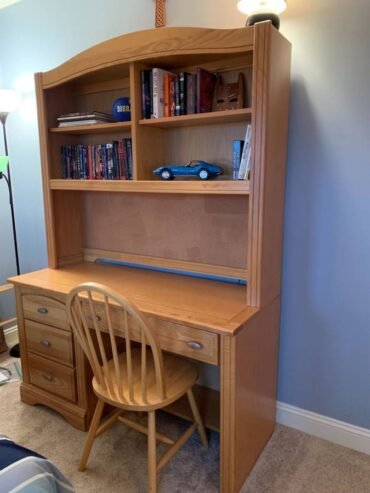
(215, 187)
(227, 116)
(97, 128)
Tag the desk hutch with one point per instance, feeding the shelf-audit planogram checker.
(222, 227)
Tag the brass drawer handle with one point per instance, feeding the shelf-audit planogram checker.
(195, 345)
(45, 343)
(42, 310)
(48, 377)
(97, 318)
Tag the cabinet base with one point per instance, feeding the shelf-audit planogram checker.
(72, 413)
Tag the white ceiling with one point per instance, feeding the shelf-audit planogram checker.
(6, 3)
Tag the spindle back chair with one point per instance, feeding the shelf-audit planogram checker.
(141, 378)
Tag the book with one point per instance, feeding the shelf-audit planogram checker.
(190, 100)
(167, 94)
(172, 96)
(245, 159)
(145, 93)
(206, 82)
(87, 115)
(237, 154)
(183, 88)
(177, 95)
(81, 122)
(158, 75)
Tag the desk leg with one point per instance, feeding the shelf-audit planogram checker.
(248, 395)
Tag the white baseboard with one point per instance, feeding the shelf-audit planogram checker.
(11, 336)
(320, 426)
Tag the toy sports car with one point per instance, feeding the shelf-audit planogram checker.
(195, 168)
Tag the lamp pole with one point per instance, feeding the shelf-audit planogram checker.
(3, 117)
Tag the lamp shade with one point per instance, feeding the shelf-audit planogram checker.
(262, 6)
(8, 100)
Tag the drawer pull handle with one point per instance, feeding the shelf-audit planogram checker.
(97, 318)
(45, 343)
(48, 377)
(195, 345)
(42, 310)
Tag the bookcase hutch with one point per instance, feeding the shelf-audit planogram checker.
(222, 227)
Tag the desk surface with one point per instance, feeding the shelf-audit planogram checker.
(212, 305)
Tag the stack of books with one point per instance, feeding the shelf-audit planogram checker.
(112, 161)
(167, 94)
(242, 156)
(86, 118)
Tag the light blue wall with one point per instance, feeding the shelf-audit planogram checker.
(325, 336)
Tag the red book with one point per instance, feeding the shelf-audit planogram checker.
(206, 82)
(167, 91)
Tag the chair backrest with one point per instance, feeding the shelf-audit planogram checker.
(83, 301)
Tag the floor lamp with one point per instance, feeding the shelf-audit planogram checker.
(8, 103)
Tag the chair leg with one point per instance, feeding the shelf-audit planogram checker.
(152, 459)
(197, 418)
(91, 435)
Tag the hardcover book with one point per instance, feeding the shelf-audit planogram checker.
(145, 93)
(158, 75)
(237, 154)
(206, 82)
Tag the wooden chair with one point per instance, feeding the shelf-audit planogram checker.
(139, 379)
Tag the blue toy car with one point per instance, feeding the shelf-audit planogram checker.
(195, 168)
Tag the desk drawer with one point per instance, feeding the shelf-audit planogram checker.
(187, 341)
(52, 377)
(44, 309)
(175, 338)
(48, 341)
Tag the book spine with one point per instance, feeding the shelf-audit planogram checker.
(177, 96)
(183, 92)
(85, 171)
(109, 151)
(121, 160)
(129, 158)
(90, 162)
(237, 154)
(190, 94)
(155, 94)
(172, 96)
(151, 92)
(145, 93)
(244, 158)
(167, 99)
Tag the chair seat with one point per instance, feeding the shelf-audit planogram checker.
(179, 375)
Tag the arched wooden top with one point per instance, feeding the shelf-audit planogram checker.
(151, 43)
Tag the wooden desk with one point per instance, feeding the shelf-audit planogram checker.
(240, 339)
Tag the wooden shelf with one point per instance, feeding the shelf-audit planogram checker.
(215, 187)
(228, 116)
(97, 128)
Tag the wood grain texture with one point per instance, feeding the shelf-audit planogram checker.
(52, 377)
(271, 80)
(91, 255)
(228, 116)
(72, 413)
(166, 296)
(98, 128)
(189, 228)
(144, 45)
(253, 380)
(44, 309)
(50, 342)
(215, 187)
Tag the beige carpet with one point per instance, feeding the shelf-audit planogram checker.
(293, 462)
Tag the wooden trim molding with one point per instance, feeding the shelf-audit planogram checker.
(143, 45)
